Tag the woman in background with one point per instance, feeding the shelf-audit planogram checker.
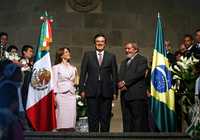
(64, 80)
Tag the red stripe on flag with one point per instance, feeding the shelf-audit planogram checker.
(42, 115)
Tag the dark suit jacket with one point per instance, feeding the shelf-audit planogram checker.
(134, 77)
(171, 58)
(90, 72)
(195, 50)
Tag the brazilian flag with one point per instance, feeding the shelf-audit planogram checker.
(162, 95)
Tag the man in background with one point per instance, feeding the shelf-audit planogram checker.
(3, 44)
(195, 49)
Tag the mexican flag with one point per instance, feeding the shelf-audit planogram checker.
(40, 106)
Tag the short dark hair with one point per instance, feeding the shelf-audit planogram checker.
(25, 48)
(3, 33)
(99, 35)
(11, 47)
(188, 35)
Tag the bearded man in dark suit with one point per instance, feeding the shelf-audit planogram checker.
(133, 90)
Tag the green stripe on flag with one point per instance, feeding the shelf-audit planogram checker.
(164, 117)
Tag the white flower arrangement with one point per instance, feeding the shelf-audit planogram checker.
(184, 68)
(79, 100)
(184, 77)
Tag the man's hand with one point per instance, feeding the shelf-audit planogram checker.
(121, 84)
(82, 94)
(148, 93)
(123, 88)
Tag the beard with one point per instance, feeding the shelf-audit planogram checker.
(129, 55)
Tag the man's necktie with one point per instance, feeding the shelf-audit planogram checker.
(100, 58)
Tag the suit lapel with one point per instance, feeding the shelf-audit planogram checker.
(132, 61)
(95, 58)
(104, 58)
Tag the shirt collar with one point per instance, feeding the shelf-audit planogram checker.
(102, 53)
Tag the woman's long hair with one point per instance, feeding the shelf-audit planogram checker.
(59, 54)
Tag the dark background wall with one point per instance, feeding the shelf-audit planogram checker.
(120, 20)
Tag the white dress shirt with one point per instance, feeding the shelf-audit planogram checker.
(98, 55)
(102, 54)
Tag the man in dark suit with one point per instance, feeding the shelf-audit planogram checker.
(98, 83)
(195, 49)
(188, 41)
(133, 90)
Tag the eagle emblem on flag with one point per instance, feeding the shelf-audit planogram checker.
(40, 78)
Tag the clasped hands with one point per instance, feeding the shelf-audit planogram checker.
(121, 86)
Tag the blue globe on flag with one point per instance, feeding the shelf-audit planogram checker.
(161, 79)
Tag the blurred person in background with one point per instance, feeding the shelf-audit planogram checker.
(188, 41)
(26, 66)
(12, 54)
(10, 102)
(195, 49)
(3, 44)
(170, 55)
(183, 50)
(10, 128)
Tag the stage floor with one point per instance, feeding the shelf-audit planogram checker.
(116, 132)
(105, 136)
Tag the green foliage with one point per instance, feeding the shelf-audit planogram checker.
(184, 78)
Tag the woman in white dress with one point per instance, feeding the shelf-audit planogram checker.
(64, 79)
